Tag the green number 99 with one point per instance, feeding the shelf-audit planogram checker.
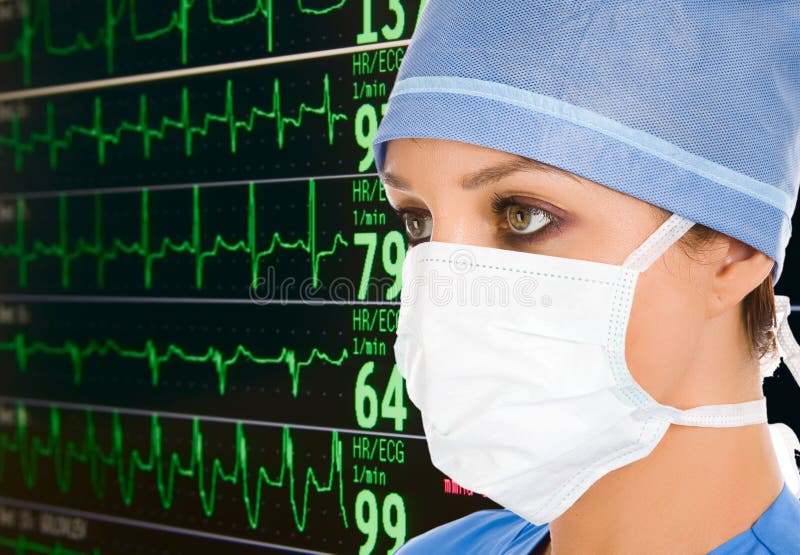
(392, 517)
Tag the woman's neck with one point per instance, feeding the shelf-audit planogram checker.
(699, 487)
(696, 490)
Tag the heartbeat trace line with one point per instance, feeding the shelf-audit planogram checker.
(166, 466)
(56, 142)
(28, 254)
(37, 23)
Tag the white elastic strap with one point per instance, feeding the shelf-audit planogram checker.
(722, 416)
(788, 348)
(659, 241)
(770, 362)
(783, 437)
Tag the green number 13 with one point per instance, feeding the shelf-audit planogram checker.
(367, 35)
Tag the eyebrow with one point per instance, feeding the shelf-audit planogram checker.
(489, 174)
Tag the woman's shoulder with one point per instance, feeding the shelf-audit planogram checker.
(487, 531)
(777, 530)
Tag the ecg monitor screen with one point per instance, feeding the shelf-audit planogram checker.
(200, 281)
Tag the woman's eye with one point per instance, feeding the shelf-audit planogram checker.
(523, 220)
(526, 219)
(418, 226)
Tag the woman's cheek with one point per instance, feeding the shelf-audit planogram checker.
(664, 325)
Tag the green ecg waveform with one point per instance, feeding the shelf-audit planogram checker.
(37, 23)
(156, 358)
(21, 545)
(165, 466)
(103, 254)
(56, 142)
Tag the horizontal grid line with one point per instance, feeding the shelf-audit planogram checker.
(23, 94)
(88, 515)
(47, 298)
(171, 186)
(45, 403)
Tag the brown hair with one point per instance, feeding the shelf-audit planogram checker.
(757, 309)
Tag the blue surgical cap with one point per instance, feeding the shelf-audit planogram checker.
(693, 106)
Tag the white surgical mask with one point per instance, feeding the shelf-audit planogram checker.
(516, 362)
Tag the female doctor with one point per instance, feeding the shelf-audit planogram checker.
(597, 198)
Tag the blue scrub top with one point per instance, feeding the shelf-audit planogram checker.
(777, 531)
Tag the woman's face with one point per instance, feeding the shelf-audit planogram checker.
(462, 193)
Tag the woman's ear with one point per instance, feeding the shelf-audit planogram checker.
(739, 271)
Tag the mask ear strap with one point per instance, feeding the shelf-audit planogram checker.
(659, 241)
(721, 416)
(788, 349)
(784, 438)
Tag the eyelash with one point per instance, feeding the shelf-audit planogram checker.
(499, 205)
